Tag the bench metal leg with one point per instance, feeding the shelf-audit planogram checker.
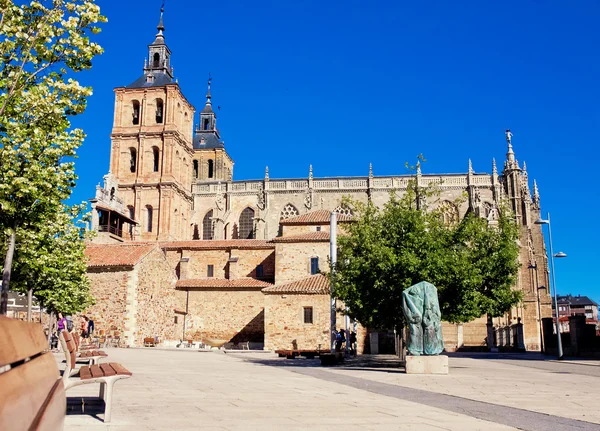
(108, 400)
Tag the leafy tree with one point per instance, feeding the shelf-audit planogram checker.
(385, 251)
(41, 45)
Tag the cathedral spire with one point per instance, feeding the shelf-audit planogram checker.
(208, 106)
(536, 193)
(494, 168)
(161, 27)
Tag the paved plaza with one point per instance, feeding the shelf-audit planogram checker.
(185, 390)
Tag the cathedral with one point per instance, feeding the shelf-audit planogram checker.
(184, 251)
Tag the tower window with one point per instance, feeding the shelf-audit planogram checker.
(246, 224)
(136, 112)
(156, 60)
(159, 110)
(260, 271)
(207, 232)
(210, 271)
(132, 159)
(314, 265)
(206, 124)
(149, 219)
(155, 153)
(211, 169)
(195, 168)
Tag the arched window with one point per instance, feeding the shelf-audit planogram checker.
(156, 60)
(132, 159)
(159, 110)
(246, 224)
(207, 232)
(136, 112)
(149, 219)
(206, 124)
(288, 211)
(195, 168)
(449, 213)
(156, 159)
(211, 168)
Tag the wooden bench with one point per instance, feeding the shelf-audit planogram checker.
(32, 395)
(149, 342)
(105, 374)
(293, 353)
(86, 355)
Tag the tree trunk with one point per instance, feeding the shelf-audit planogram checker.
(7, 268)
(29, 303)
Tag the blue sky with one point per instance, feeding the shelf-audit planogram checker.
(341, 84)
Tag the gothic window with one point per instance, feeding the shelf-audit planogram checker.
(155, 153)
(132, 159)
(343, 210)
(246, 224)
(149, 219)
(195, 168)
(207, 232)
(159, 110)
(211, 168)
(449, 213)
(156, 60)
(486, 209)
(288, 211)
(136, 112)
(206, 124)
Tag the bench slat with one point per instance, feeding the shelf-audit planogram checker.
(120, 369)
(108, 370)
(25, 393)
(20, 340)
(96, 371)
(84, 373)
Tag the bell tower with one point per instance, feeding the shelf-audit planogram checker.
(151, 151)
(211, 160)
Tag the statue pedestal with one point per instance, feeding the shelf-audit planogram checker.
(427, 364)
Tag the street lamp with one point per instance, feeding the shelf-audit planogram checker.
(552, 256)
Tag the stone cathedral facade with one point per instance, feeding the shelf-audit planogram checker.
(171, 183)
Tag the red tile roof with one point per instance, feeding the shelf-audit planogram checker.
(222, 283)
(317, 284)
(321, 236)
(319, 217)
(125, 254)
(251, 244)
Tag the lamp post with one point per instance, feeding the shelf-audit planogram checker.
(552, 256)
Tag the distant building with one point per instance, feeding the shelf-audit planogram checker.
(570, 305)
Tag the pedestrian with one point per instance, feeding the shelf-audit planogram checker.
(84, 327)
(340, 338)
(90, 327)
(353, 343)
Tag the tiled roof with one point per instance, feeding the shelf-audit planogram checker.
(319, 217)
(222, 283)
(247, 244)
(578, 300)
(159, 80)
(126, 254)
(317, 284)
(210, 141)
(321, 236)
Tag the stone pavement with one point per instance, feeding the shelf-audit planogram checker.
(183, 390)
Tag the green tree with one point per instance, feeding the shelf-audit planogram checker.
(41, 45)
(387, 250)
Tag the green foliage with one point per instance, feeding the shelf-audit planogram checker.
(41, 45)
(473, 265)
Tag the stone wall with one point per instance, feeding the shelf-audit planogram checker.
(292, 260)
(284, 322)
(156, 299)
(231, 314)
(108, 286)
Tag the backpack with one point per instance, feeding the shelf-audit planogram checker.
(70, 324)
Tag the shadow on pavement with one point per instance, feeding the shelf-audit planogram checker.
(88, 406)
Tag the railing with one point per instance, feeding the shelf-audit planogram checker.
(113, 230)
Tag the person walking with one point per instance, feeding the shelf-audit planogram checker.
(340, 338)
(83, 327)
